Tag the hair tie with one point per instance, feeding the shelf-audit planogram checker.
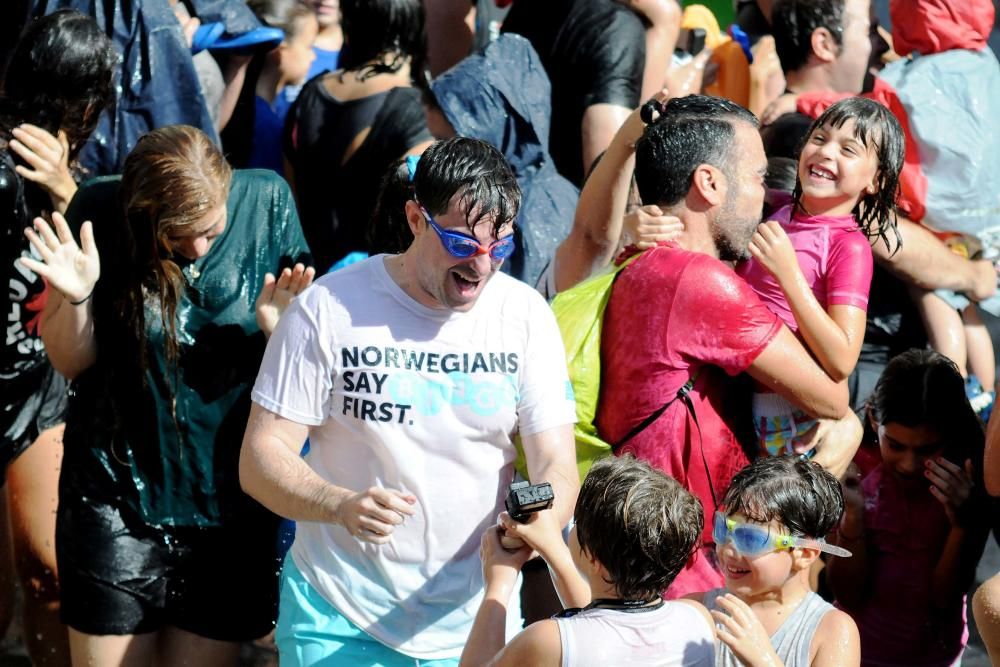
(652, 107)
(411, 165)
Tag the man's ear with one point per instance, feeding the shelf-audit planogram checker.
(824, 47)
(710, 184)
(415, 217)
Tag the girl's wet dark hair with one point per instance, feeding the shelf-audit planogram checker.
(60, 77)
(924, 388)
(795, 492)
(477, 171)
(389, 231)
(641, 524)
(875, 127)
(374, 29)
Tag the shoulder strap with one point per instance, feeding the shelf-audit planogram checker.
(682, 394)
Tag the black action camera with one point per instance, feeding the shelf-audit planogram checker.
(524, 498)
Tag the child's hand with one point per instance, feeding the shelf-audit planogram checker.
(854, 496)
(542, 532)
(500, 565)
(773, 249)
(743, 633)
(647, 225)
(952, 486)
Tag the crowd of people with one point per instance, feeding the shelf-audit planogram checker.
(299, 289)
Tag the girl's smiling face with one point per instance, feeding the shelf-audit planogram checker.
(836, 169)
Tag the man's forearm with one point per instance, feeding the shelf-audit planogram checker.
(551, 457)
(273, 473)
(925, 261)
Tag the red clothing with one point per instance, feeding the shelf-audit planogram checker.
(672, 314)
(935, 26)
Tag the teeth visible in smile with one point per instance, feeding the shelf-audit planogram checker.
(820, 172)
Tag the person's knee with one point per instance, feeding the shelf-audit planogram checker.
(36, 573)
(986, 609)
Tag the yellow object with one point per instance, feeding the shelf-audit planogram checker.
(700, 16)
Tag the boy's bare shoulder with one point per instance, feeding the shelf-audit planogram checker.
(836, 642)
(538, 644)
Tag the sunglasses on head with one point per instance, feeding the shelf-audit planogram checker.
(463, 246)
(753, 540)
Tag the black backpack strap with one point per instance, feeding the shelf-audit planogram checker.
(681, 394)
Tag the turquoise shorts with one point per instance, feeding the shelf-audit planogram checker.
(312, 632)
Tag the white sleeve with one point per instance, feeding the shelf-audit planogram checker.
(296, 376)
(545, 398)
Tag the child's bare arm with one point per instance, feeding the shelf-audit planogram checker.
(848, 577)
(834, 337)
(500, 570)
(543, 534)
(837, 642)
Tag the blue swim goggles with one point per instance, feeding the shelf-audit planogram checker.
(752, 540)
(463, 246)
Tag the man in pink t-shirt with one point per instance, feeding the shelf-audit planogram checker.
(679, 312)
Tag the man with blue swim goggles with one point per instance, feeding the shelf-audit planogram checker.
(462, 245)
(753, 540)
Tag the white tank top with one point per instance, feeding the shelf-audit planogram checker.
(672, 635)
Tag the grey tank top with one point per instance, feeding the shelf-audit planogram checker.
(791, 641)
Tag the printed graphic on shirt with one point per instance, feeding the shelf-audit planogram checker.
(391, 384)
(27, 294)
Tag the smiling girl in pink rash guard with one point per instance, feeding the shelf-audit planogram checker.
(812, 260)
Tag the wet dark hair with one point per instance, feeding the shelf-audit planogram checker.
(924, 388)
(377, 28)
(798, 494)
(477, 171)
(60, 77)
(875, 127)
(639, 523)
(782, 174)
(794, 21)
(688, 132)
(389, 231)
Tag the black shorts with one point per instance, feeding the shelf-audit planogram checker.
(32, 403)
(121, 576)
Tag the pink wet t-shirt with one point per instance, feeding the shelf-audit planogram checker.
(835, 258)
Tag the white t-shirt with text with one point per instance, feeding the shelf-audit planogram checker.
(421, 400)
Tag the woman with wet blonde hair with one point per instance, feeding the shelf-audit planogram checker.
(162, 557)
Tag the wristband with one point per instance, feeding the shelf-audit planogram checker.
(83, 300)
